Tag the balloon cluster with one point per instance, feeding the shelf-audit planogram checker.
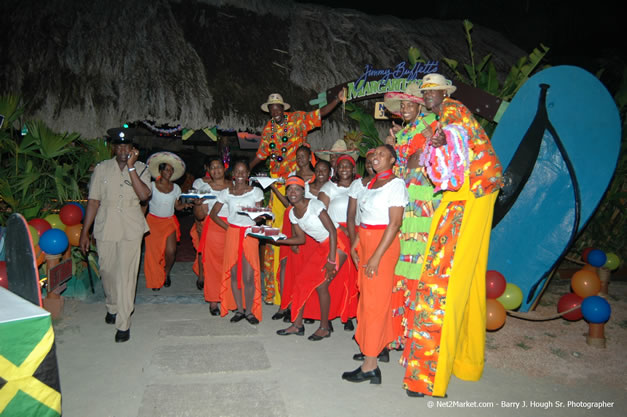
(501, 295)
(586, 284)
(54, 233)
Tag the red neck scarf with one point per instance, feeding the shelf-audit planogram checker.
(382, 174)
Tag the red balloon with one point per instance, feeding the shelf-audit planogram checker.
(568, 301)
(584, 254)
(71, 214)
(495, 284)
(41, 225)
(4, 280)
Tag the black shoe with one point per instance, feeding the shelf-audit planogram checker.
(156, 289)
(252, 319)
(330, 326)
(300, 331)
(314, 337)
(348, 326)
(167, 282)
(358, 375)
(238, 316)
(279, 315)
(122, 336)
(384, 356)
(414, 394)
(214, 311)
(309, 321)
(287, 316)
(199, 284)
(110, 318)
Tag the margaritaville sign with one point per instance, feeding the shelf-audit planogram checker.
(376, 82)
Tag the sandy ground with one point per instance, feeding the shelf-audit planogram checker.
(181, 361)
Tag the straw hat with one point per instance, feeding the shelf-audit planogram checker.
(392, 101)
(274, 98)
(437, 82)
(169, 158)
(339, 148)
(121, 135)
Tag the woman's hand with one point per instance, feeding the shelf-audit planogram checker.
(354, 254)
(438, 139)
(329, 270)
(372, 267)
(295, 249)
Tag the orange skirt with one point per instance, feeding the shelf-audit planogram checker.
(232, 253)
(310, 276)
(154, 255)
(374, 311)
(212, 255)
(293, 267)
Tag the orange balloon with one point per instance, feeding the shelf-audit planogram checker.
(585, 283)
(589, 267)
(495, 314)
(73, 233)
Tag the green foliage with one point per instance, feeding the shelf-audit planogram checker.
(370, 136)
(42, 169)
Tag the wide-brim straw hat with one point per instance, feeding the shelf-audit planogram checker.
(274, 98)
(338, 148)
(392, 101)
(169, 158)
(437, 82)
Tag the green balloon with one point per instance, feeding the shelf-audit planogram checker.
(512, 297)
(34, 234)
(612, 262)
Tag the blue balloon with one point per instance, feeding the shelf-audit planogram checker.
(597, 258)
(53, 241)
(595, 309)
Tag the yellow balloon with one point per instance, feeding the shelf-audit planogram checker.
(512, 297)
(55, 221)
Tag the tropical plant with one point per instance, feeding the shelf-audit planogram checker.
(367, 130)
(39, 168)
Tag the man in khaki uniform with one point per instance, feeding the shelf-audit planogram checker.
(116, 188)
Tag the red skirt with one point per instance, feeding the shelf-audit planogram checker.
(311, 274)
(212, 250)
(154, 254)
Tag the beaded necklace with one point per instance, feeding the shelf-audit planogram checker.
(281, 135)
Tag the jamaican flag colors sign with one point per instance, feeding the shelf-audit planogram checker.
(29, 375)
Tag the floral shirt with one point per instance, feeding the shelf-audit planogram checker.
(280, 142)
(485, 170)
(409, 140)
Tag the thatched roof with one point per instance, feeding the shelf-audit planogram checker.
(86, 66)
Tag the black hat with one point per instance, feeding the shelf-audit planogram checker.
(121, 135)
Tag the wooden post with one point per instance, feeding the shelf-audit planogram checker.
(596, 335)
(604, 277)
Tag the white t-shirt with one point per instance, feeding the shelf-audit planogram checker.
(162, 204)
(203, 187)
(308, 193)
(234, 203)
(354, 191)
(338, 201)
(310, 222)
(373, 204)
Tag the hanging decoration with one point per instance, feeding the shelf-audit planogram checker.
(211, 132)
(169, 132)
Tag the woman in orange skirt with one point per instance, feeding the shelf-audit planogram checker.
(211, 238)
(309, 216)
(381, 207)
(241, 277)
(160, 243)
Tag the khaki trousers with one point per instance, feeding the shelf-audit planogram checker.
(119, 265)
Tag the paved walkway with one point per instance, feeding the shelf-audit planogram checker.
(181, 361)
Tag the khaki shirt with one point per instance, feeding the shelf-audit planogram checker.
(119, 216)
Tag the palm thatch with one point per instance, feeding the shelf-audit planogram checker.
(86, 66)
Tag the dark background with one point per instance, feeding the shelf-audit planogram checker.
(587, 34)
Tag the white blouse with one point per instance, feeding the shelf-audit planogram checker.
(311, 223)
(203, 187)
(162, 204)
(373, 204)
(354, 191)
(234, 203)
(308, 193)
(338, 201)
